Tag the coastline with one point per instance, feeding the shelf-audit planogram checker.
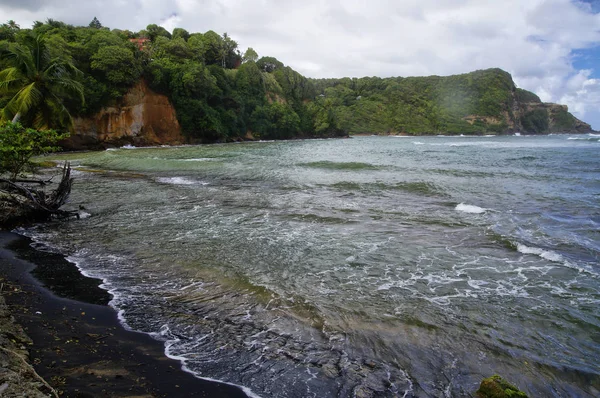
(77, 342)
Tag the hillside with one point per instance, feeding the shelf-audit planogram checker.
(159, 87)
(484, 101)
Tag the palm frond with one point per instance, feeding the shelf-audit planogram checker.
(10, 80)
(21, 58)
(28, 97)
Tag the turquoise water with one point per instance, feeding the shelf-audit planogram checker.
(372, 266)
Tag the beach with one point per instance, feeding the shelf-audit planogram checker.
(77, 343)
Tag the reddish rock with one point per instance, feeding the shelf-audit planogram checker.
(141, 118)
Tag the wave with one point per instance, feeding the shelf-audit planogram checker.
(171, 340)
(418, 187)
(314, 218)
(180, 181)
(196, 160)
(545, 254)
(590, 138)
(465, 208)
(340, 165)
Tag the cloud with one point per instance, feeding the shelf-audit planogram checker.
(534, 40)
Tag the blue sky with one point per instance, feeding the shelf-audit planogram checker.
(551, 47)
(588, 58)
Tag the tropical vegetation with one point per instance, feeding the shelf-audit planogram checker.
(35, 82)
(19, 144)
(55, 70)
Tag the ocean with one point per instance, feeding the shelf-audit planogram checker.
(367, 267)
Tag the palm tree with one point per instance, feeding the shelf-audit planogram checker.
(37, 85)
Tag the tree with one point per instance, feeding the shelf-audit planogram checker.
(18, 145)
(250, 55)
(269, 64)
(95, 24)
(36, 85)
(153, 31)
(22, 200)
(117, 64)
(212, 47)
(180, 33)
(9, 30)
(227, 52)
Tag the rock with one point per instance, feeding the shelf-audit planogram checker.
(17, 377)
(497, 387)
(141, 118)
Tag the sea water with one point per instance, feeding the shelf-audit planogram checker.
(372, 266)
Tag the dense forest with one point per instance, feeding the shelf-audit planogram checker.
(221, 94)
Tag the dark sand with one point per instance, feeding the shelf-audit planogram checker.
(79, 346)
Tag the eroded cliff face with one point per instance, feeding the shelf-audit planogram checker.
(142, 118)
(560, 120)
(532, 116)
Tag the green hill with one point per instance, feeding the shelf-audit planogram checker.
(221, 94)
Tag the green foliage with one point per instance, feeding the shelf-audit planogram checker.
(471, 103)
(18, 145)
(275, 121)
(250, 55)
(527, 96)
(563, 121)
(269, 64)
(535, 121)
(117, 65)
(154, 31)
(34, 84)
(180, 33)
(95, 24)
(9, 30)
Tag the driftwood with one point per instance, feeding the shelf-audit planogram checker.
(21, 202)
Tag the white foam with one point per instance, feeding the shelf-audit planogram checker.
(165, 332)
(418, 143)
(180, 181)
(545, 254)
(82, 215)
(386, 286)
(469, 209)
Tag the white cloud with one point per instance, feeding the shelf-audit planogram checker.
(532, 39)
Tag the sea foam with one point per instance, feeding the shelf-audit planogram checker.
(180, 181)
(469, 209)
(545, 254)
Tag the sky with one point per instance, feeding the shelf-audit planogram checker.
(551, 47)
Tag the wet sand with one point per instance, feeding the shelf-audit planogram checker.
(79, 347)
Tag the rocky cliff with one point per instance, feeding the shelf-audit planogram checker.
(141, 118)
(515, 109)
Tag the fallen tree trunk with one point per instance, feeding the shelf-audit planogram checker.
(21, 203)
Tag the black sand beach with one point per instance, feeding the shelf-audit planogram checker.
(79, 347)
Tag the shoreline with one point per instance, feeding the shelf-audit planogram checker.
(78, 344)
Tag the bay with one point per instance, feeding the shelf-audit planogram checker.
(372, 266)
